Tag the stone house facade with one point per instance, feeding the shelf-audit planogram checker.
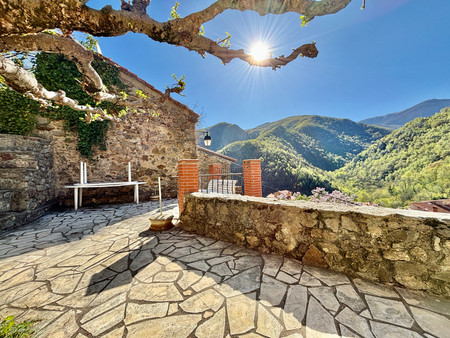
(152, 145)
(211, 162)
(206, 157)
(27, 179)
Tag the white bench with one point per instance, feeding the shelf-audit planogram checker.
(78, 187)
(221, 186)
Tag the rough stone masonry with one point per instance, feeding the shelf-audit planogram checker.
(27, 179)
(153, 145)
(399, 247)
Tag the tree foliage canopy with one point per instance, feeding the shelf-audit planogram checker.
(24, 26)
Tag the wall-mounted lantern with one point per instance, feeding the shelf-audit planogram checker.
(207, 140)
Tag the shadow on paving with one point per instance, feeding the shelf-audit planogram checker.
(121, 271)
(178, 284)
(66, 226)
(242, 290)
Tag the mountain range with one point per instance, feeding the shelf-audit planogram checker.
(324, 142)
(225, 133)
(296, 151)
(303, 152)
(396, 120)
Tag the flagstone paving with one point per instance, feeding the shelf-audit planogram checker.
(100, 272)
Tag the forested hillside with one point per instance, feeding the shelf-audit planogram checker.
(411, 164)
(297, 150)
(282, 167)
(325, 142)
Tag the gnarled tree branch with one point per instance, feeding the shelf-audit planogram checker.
(181, 32)
(24, 82)
(70, 48)
(22, 23)
(137, 6)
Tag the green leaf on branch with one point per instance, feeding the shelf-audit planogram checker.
(304, 20)
(174, 12)
(225, 42)
(90, 42)
(178, 87)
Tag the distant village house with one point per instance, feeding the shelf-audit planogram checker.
(432, 206)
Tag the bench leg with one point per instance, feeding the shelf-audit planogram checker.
(81, 197)
(75, 198)
(136, 193)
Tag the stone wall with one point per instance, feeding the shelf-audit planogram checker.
(400, 247)
(27, 179)
(152, 145)
(205, 159)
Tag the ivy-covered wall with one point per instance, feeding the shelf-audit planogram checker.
(152, 145)
(18, 113)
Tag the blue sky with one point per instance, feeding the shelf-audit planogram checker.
(386, 58)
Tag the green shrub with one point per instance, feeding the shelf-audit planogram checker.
(10, 329)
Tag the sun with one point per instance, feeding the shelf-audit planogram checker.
(260, 51)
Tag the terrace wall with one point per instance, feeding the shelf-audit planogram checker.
(27, 179)
(400, 247)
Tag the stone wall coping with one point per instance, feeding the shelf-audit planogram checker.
(25, 137)
(334, 207)
(209, 151)
(188, 160)
(252, 160)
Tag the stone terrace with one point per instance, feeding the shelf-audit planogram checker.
(100, 272)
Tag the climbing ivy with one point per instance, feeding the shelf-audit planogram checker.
(109, 74)
(17, 112)
(54, 72)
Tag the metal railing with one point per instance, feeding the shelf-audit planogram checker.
(223, 183)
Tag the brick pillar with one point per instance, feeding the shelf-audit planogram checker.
(187, 179)
(252, 178)
(215, 168)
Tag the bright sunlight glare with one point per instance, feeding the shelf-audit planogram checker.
(260, 51)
